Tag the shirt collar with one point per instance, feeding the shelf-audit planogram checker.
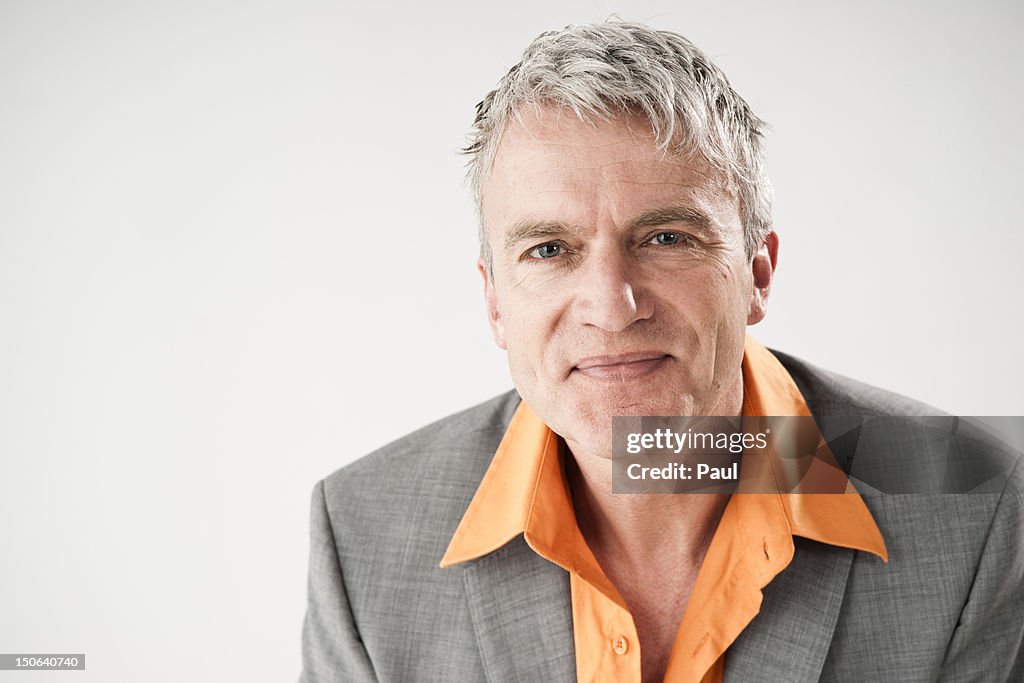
(524, 490)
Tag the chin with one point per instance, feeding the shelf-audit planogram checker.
(635, 402)
(592, 419)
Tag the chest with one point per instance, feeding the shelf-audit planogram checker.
(657, 599)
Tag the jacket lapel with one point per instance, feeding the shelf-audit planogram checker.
(789, 639)
(522, 614)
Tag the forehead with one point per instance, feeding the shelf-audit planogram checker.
(550, 162)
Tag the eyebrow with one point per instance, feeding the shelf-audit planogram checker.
(528, 230)
(675, 214)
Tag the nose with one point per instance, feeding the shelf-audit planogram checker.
(610, 295)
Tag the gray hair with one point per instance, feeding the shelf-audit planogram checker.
(599, 71)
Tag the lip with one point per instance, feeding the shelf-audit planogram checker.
(622, 366)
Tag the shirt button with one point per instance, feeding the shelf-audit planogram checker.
(620, 645)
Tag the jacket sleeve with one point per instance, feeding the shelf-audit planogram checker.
(987, 643)
(332, 650)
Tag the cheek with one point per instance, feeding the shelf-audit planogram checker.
(542, 340)
(709, 300)
(731, 288)
(712, 309)
(528, 335)
(734, 309)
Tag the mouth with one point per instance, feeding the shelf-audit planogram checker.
(620, 367)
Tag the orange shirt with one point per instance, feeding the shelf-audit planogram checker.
(524, 491)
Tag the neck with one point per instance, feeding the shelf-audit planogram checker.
(637, 526)
(642, 526)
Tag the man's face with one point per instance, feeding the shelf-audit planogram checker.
(620, 282)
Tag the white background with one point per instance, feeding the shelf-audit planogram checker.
(236, 253)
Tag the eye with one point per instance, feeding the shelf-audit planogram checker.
(668, 238)
(546, 251)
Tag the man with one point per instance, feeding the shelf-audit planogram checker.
(626, 245)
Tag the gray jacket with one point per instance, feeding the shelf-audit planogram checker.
(948, 606)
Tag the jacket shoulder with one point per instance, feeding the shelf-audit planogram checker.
(381, 525)
(896, 444)
(450, 454)
(829, 393)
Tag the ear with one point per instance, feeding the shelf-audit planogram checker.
(762, 267)
(491, 299)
